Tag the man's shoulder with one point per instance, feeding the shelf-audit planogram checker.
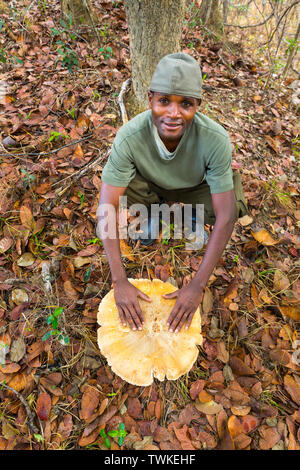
(134, 129)
(209, 127)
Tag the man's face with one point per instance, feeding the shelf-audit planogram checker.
(172, 115)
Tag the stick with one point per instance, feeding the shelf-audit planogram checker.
(124, 89)
(29, 413)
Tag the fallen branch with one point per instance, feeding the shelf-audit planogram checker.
(124, 89)
(29, 413)
(251, 25)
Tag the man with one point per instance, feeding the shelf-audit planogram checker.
(172, 153)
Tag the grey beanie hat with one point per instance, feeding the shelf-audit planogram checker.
(177, 74)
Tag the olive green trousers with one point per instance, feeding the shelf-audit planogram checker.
(147, 193)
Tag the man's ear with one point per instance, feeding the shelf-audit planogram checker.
(150, 98)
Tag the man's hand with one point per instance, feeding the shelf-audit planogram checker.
(126, 297)
(188, 300)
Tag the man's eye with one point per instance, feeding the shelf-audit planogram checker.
(163, 100)
(186, 104)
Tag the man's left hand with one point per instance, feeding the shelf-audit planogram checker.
(188, 300)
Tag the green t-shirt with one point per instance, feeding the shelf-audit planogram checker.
(204, 152)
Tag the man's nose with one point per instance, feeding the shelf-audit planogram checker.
(173, 110)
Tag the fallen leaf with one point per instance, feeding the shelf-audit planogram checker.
(19, 296)
(5, 244)
(270, 437)
(184, 440)
(280, 281)
(70, 292)
(208, 408)
(126, 250)
(292, 387)
(27, 259)
(240, 410)
(263, 237)
(26, 217)
(290, 311)
(249, 423)
(89, 402)
(246, 220)
(239, 367)
(196, 388)
(234, 426)
(43, 406)
(204, 397)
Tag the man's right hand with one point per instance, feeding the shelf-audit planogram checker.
(126, 297)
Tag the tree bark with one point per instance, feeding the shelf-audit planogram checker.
(155, 28)
(210, 13)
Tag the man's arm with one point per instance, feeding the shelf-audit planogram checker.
(126, 295)
(190, 296)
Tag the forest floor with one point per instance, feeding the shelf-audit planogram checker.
(57, 391)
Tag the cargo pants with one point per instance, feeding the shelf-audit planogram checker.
(147, 193)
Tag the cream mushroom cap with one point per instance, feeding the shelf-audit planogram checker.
(139, 356)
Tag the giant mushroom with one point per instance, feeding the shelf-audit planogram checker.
(139, 356)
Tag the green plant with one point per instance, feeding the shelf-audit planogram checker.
(105, 50)
(95, 240)
(52, 320)
(120, 433)
(28, 179)
(68, 56)
(81, 195)
(72, 113)
(56, 135)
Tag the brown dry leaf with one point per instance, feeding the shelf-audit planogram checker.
(240, 410)
(249, 423)
(292, 387)
(17, 350)
(269, 437)
(221, 423)
(234, 426)
(246, 220)
(134, 408)
(43, 406)
(65, 427)
(280, 281)
(263, 237)
(242, 441)
(184, 440)
(5, 244)
(89, 250)
(26, 217)
(223, 354)
(254, 296)
(89, 402)
(208, 408)
(18, 382)
(239, 367)
(103, 406)
(196, 388)
(231, 292)
(10, 368)
(290, 311)
(19, 296)
(208, 301)
(70, 292)
(126, 250)
(204, 397)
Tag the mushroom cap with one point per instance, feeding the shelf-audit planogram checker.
(139, 356)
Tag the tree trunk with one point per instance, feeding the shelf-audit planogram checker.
(155, 30)
(81, 12)
(210, 13)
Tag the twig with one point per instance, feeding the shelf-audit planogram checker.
(80, 173)
(42, 154)
(124, 89)
(250, 25)
(29, 413)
